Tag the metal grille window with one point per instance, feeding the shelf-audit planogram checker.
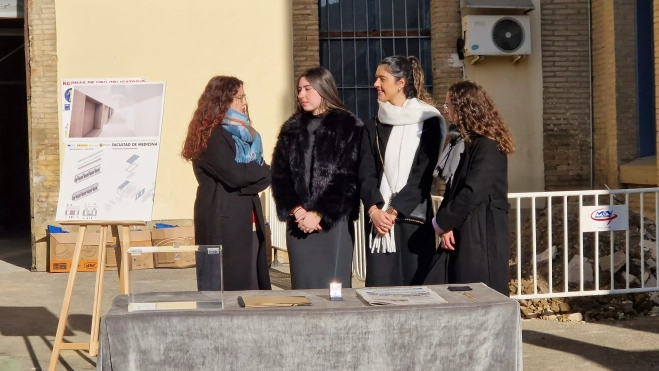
(355, 35)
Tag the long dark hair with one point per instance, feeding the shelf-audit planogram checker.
(211, 108)
(323, 82)
(409, 68)
(477, 114)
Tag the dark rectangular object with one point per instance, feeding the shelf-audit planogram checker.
(525, 5)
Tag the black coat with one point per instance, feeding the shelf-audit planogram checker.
(475, 208)
(419, 183)
(415, 245)
(332, 189)
(226, 197)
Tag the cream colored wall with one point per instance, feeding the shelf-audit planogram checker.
(184, 44)
(517, 91)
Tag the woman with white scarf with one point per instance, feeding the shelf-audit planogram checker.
(399, 152)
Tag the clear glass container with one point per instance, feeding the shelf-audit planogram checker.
(180, 271)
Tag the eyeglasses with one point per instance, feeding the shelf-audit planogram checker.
(241, 97)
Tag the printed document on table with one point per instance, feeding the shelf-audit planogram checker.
(400, 296)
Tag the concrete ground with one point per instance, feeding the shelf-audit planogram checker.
(30, 304)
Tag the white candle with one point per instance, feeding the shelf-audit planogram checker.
(335, 289)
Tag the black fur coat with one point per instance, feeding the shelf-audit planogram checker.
(332, 189)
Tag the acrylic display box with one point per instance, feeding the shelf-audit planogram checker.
(176, 288)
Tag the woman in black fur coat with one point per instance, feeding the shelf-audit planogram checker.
(314, 183)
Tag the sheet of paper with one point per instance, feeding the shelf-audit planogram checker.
(400, 296)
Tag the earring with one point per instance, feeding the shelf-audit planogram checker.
(399, 90)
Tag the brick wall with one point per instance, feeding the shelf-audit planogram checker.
(656, 69)
(626, 87)
(615, 95)
(445, 28)
(306, 50)
(43, 124)
(566, 97)
(604, 93)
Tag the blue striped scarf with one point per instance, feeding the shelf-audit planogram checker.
(248, 149)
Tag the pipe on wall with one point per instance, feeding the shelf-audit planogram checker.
(592, 114)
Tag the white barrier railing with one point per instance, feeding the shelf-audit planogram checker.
(278, 232)
(278, 235)
(359, 255)
(544, 281)
(277, 228)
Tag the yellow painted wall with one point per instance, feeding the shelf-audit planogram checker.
(517, 91)
(183, 44)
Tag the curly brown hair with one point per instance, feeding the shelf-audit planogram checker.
(420, 80)
(211, 108)
(478, 115)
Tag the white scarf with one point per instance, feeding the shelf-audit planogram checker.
(407, 121)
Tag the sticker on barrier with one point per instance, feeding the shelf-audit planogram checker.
(604, 218)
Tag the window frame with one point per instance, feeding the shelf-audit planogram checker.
(376, 40)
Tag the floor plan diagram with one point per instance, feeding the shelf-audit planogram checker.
(87, 174)
(85, 192)
(72, 211)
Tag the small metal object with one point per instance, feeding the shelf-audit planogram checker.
(213, 250)
(470, 296)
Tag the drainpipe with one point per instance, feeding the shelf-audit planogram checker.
(592, 114)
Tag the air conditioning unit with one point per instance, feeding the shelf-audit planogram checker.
(496, 35)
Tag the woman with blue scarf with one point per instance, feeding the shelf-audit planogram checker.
(227, 159)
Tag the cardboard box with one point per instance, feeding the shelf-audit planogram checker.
(168, 237)
(138, 238)
(61, 250)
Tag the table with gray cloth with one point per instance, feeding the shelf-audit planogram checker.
(464, 334)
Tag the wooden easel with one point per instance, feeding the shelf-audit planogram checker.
(123, 266)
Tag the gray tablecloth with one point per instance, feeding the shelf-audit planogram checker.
(464, 334)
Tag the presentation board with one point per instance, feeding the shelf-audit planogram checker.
(112, 140)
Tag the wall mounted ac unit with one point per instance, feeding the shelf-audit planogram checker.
(496, 35)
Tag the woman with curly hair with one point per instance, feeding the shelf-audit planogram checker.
(473, 217)
(227, 160)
